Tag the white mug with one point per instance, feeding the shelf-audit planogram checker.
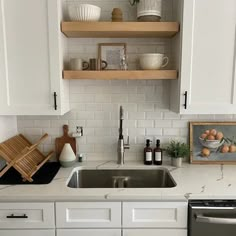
(153, 61)
(78, 64)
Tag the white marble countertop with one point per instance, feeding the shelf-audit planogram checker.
(193, 182)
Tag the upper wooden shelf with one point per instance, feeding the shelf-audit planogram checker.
(121, 74)
(119, 29)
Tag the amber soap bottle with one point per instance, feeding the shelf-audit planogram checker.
(157, 154)
(148, 153)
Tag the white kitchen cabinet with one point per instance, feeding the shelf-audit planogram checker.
(24, 215)
(155, 215)
(88, 214)
(35, 232)
(89, 232)
(155, 232)
(31, 58)
(121, 218)
(208, 69)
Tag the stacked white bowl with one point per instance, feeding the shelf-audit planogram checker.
(84, 12)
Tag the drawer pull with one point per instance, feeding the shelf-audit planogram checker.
(55, 100)
(12, 216)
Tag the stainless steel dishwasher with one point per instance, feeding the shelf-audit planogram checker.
(212, 217)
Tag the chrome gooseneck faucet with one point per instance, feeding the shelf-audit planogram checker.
(121, 145)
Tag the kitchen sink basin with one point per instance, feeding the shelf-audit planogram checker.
(125, 178)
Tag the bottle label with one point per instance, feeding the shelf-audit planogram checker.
(148, 156)
(157, 156)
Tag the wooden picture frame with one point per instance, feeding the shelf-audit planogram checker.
(212, 142)
(112, 53)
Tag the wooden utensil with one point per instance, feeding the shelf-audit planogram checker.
(60, 142)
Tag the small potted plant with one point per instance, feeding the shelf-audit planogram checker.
(148, 10)
(177, 150)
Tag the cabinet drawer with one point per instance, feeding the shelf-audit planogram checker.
(155, 232)
(88, 214)
(26, 215)
(155, 214)
(89, 232)
(35, 232)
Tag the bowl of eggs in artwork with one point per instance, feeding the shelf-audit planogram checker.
(212, 139)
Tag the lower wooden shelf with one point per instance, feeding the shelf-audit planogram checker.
(121, 74)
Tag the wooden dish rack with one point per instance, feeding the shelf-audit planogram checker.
(23, 156)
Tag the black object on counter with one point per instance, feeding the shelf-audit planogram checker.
(148, 153)
(157, 152)
(43, 176)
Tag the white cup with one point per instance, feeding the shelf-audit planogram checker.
(153, 61)
(78, 64)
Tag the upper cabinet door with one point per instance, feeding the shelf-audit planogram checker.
(208, 57)
(29, 42)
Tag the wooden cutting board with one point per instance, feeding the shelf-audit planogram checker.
(60, 142)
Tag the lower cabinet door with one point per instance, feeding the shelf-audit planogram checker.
(88, 232)
(35, 232)
(155, 232)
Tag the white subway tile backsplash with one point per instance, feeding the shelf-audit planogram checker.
(52, 131)
(94, 123)
(136, 131)
(145, 123)
(59, 123)
(136, 115)
(85, 115)
(26, 123)
(102, 98)
(163, 123)
(93, 107)
(118, 98)
(33, 131)
(82, 98)
(136, 98)
(146, 107)
(171, 131)
(153, 115)
(154, 131)
(88, 131)
(179, 124)
(110, 123)
(101, 115)
(171, 115)
(102, 131)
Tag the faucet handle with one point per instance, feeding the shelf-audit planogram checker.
(127, 146)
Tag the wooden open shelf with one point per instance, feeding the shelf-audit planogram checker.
(130, 74)
(119, 29)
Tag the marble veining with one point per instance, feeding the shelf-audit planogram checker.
(193, 182)
(222, 173)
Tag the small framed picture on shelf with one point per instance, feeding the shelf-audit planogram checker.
(213, 142)
(114, 54)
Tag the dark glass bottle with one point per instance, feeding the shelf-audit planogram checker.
(148, 153)
(157, 154)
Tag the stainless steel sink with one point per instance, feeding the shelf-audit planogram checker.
(125, 178)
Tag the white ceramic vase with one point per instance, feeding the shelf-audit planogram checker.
(177, 162)
(149, 8)
(67, 157)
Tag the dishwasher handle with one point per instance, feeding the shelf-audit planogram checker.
(214, 220)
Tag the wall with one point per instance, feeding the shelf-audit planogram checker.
(8, 127)
(95, 104)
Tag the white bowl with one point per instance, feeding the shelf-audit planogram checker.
(84, 12)
(211, 143)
